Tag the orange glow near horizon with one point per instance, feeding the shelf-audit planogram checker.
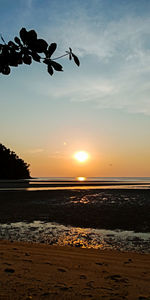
(98, 163)
(81, 156)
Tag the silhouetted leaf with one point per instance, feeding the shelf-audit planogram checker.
(17, 40)
(51, 50)
(31, 39)
(36, 57)
(46, 61)
(76, 60)
(41, 45)
(70, 53)
(13, 45)
(13, 60)
(5, 49)
(5, 59)
(24, 35)
(6, 70)
(20, 61)
(56, 66)
(32, 35)
(27, 59)
(50, 69)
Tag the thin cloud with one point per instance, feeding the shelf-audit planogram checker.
(122, 49)
(56, 155)
(115, 59)
(36, 151)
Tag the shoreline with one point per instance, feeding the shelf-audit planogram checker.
(39, 271)
(60, 235)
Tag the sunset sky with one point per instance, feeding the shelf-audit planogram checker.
(102, 107)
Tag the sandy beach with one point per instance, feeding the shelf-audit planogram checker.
(36, 271)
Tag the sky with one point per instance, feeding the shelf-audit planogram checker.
(102, 107)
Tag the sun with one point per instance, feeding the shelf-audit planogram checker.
(81, 156)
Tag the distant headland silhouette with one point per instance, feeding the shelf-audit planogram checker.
(12, 166)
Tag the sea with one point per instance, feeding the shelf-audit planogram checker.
(57, 183)
(93, 212)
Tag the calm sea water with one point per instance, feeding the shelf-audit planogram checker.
(65, 183)
(100, 179)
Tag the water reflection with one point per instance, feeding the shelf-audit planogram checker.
(86, 187)
(81, 178)
(81, 237)
(82, 200)
(56, 234)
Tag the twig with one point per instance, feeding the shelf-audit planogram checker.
(60, 56)
(2, 39)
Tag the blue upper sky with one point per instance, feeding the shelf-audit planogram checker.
(103, 106)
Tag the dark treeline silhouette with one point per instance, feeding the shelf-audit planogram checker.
(28, 47)
(11, 166)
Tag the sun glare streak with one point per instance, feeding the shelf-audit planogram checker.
(81, 156)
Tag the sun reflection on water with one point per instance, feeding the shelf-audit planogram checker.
(58, 234)
(81, 178)
(80, 237)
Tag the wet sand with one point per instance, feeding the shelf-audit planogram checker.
(36, 271)
(104, 209)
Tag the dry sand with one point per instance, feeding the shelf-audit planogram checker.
(38, 271)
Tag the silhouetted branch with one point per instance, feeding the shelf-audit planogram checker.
(26, 49)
